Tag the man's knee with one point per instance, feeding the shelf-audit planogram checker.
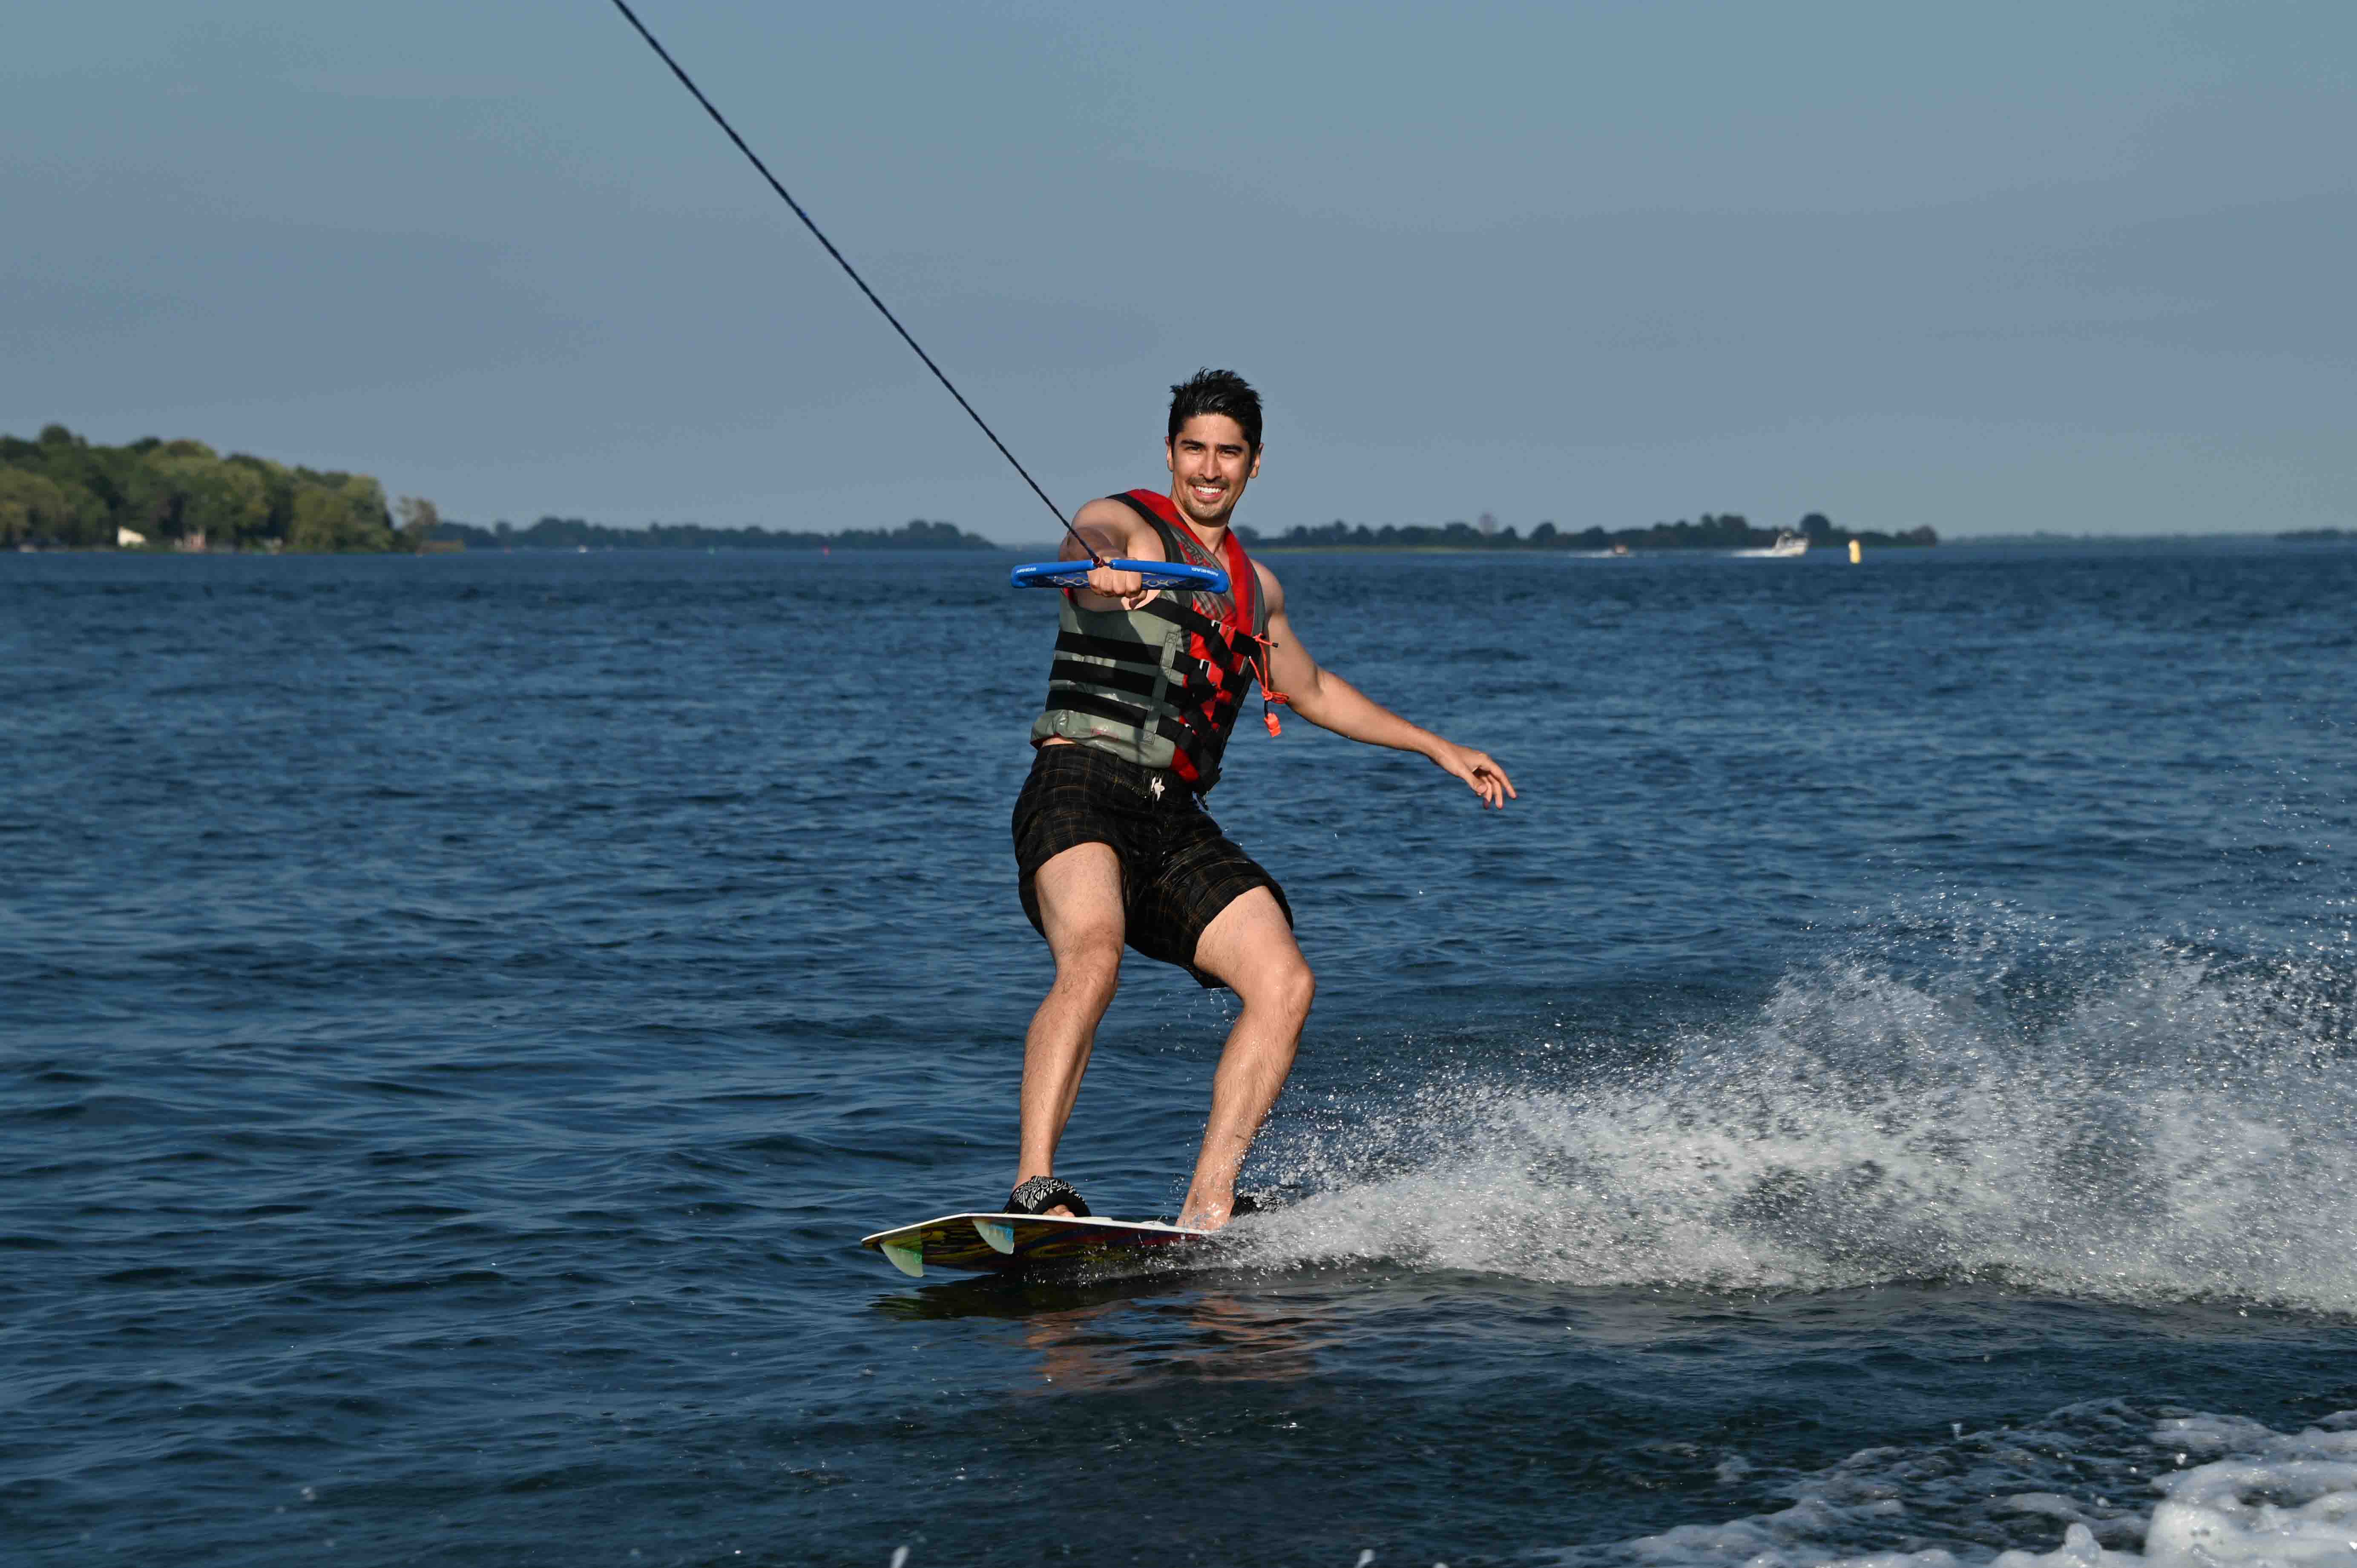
(1088, 966)
(1285, 986)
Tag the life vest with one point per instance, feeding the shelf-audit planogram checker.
(1160, 685)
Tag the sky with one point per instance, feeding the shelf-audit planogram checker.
(2081, 267)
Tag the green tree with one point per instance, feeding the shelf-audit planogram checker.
(31, 505)
(39, 509)
(331, 518)
(154, 490)
(367, 498)
(419, 518)
(277, 482)
(224, 504)
(92, 523)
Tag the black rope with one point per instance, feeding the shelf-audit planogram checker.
(721, 121)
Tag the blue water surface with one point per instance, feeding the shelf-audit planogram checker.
(457, 1016)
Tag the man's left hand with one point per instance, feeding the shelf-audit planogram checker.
(1479, 770)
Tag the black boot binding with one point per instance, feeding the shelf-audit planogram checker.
(1042, 1193)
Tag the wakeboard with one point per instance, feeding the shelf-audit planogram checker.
(980, 1243)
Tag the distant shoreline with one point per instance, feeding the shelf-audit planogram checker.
(2252, 536)
(573, 534)
(1045, 550)
(1724, 533)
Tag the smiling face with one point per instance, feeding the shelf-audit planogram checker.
(1211, 463)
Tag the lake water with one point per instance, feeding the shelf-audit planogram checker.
(1889, 1087)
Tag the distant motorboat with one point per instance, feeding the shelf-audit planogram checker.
(1787, 544)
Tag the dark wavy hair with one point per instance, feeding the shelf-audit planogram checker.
(1217, 392)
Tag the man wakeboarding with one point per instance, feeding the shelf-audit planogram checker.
(1110, 836)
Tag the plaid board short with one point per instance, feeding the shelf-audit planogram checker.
(1177, 870)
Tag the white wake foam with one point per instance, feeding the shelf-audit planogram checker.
(2179, 1129)
(2130, 1490)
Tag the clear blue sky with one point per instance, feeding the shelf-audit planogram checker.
(1993, 268)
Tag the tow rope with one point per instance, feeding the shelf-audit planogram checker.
(720, 120)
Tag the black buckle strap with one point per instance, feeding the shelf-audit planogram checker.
(1042, 1193)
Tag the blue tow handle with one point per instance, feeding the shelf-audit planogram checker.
(1158, 574)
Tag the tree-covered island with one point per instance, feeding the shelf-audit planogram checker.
(62, 492)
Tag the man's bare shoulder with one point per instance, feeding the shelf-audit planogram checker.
(1271, 589)
(1104, 511)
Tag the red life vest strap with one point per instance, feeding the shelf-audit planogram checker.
(1243, 584)
(1243, 588)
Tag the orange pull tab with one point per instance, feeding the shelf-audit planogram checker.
(1269, 718)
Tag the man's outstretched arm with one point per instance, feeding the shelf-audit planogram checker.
(1328, 701)
(1115, 533)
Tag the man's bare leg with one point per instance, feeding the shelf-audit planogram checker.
(1250, 946)
(1079, 909)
